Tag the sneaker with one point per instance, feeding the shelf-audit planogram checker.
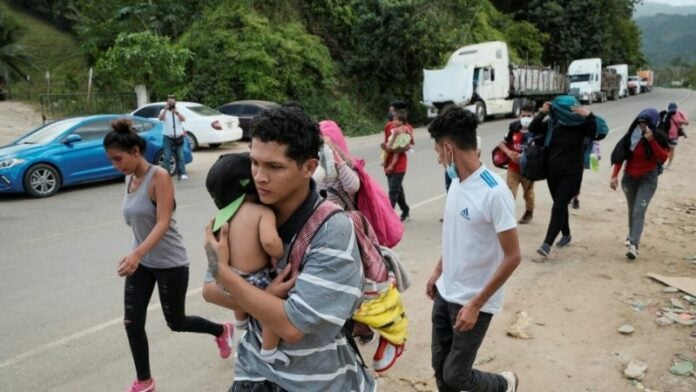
(512, 381)
(564, 241)
(386, 355)
(366, 338)
(632, 252)
(544, 250)
(528, 215)
(224, 341)
(576, 203)
(627, 242)
(183, 177)
(142, 386)
(405, 217)
(273, 355)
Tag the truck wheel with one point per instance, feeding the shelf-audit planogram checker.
(480, 112)
(517, 105)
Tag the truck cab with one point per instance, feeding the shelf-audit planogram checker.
(622, 71)
(585, 76)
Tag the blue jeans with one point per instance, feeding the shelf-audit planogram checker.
(639, 191)
(168, 145)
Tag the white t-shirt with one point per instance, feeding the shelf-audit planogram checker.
(476, 210)
(172, 126)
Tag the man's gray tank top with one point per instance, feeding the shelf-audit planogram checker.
(141, 215)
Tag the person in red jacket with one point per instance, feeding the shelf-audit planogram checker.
(643, 149)
(395, 174)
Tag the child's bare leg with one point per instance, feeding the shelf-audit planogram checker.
(241, 320)
(269, 348)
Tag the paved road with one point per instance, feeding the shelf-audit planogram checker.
(61, 300)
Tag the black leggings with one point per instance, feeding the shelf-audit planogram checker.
(172, 284)
(563, 189)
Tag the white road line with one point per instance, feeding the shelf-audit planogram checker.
(428, 201)
(79, 335)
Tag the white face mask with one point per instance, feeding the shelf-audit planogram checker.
(525, 121)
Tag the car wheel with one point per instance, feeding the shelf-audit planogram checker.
(215, 145)
(159, 161)
(42, 180)
(480, 112)
(192, 141)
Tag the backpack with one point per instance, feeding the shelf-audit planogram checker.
(664, 121)
(384, 275)
(380, 265)
(375, 205)
(533, 159)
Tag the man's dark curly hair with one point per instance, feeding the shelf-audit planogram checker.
(292, 127)
(456, 125)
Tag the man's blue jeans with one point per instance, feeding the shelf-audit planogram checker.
(168, 145)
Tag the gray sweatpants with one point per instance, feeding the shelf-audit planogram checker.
(639, 191)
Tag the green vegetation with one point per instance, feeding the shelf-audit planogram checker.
(342, 59)
(51, 50)
(143, 58)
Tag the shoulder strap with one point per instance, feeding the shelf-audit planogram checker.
(549, 132)
(322, 212)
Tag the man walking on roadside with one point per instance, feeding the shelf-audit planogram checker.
(308, 311)
(173, 138)
(513, 145)
(480, 250)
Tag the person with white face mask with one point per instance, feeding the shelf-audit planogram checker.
(513, 144)
(480, 251)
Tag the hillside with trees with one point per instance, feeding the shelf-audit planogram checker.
(343, 59)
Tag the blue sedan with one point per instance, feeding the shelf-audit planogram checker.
(69, 152)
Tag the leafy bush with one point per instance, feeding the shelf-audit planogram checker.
(143, 58)
(239, 54)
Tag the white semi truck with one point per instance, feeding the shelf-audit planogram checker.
(481, 78)
(586, 80)
(622, 72)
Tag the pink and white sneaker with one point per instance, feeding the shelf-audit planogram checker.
(224, 341)
(386, 355)
(142, 386)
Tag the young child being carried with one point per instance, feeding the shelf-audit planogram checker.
(254, 244)
(401, 137)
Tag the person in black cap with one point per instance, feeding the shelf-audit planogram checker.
(252, 234)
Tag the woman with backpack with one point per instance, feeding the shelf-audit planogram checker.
(644, 147)
(565, 130)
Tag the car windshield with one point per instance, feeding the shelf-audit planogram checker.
(580, 78)
(204, 110)
(49, 132)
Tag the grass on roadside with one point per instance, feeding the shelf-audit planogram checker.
(52, 50)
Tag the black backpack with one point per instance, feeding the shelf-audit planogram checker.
(665, 121)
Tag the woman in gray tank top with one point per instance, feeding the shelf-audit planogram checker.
(158, 255)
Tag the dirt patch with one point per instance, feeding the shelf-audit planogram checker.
(17, 119)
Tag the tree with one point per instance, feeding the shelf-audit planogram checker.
(586, 28)
(240, 54)
(12, 56)
(143, 59)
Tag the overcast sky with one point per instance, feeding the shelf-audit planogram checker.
(674, 2)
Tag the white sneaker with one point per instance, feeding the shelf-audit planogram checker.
(183, 177)
(512, 381)
(632, 252)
